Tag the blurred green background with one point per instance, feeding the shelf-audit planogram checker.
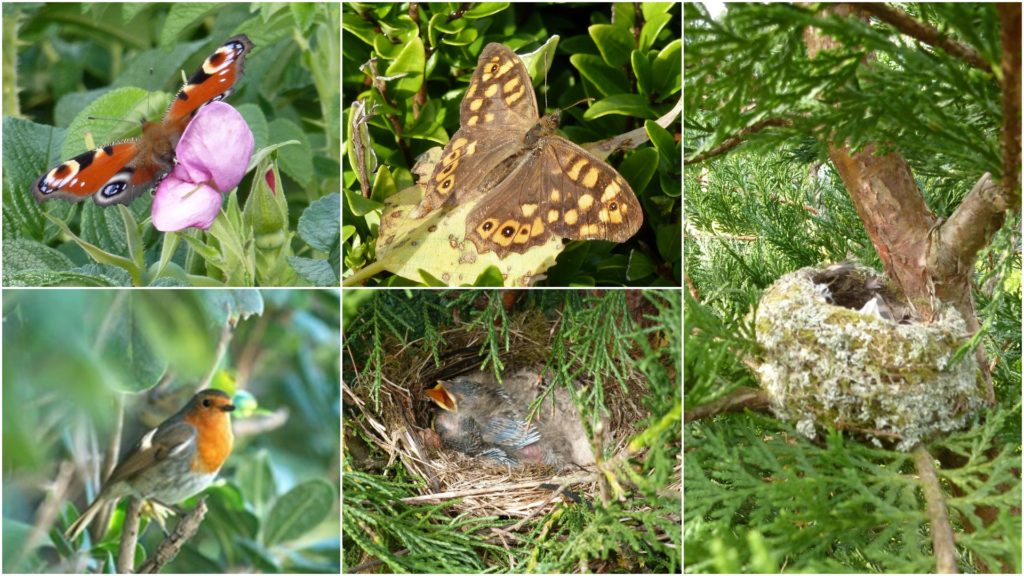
(70, 355)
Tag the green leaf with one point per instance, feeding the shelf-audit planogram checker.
(667, 70)
(299, 511)
(410, 65)
(22, 254)
(295, 161)
(652, 27)
(639, 167)
(622, 105)
(663, 142)
(614, 42)
(485, 9)
(256, 482)
(607, 79)
(670, 241)
(316, 271)
(127, 349)
(28, 151)
(183, 15)
(320, 223)
(491, 276)
(642, 72)
(640, 266)
(361, 206)
(126, 103)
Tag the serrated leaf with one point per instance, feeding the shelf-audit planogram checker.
(320, 222)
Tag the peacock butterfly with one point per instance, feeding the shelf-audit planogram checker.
(117, 173)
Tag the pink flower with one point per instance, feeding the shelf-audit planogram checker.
(213, 155)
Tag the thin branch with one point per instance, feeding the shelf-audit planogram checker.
(906, 24)
(1010, 34)
(736, 401)
(99, 525)
(734, 141)
(942, 532)
(129, 537)
(183, 532)
(46, 514)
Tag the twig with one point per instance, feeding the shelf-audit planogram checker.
(129, 537)
(942, 532)
(183, 532)
(734, 141)
(99, 525)
(906, 24)
(736, 401)
(48, 510)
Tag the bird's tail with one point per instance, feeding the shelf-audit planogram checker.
(79, 526)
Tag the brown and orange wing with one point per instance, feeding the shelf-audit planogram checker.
(107, 172)
(213, 81)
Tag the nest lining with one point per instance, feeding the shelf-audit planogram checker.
(400, 425)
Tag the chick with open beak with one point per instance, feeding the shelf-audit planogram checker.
(481, 420)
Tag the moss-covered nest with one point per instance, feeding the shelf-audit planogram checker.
(893, 379)
(398, 421)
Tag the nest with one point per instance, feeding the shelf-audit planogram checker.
(842, 350)
(398, 422)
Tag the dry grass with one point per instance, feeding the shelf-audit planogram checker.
(398, 421)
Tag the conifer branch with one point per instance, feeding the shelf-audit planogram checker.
(942, 531)
(736, 401)
(737, 139)
(1010, 35)
(906, 24)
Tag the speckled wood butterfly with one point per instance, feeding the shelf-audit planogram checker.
(530, 182)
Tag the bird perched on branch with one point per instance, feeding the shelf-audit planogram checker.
(482, 420)
(175, 460)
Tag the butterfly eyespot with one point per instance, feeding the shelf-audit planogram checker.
(508, 231)
(446, 184)
(493, 68)
(113, 189)
(613, 206)
(488, 226)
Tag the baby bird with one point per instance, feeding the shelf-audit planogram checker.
(481, 420)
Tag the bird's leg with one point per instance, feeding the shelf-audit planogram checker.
(159, 511)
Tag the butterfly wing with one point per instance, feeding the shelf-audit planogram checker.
(117, 173)
(558, 189)
(213, 81)
(499, 108)
(106, 172)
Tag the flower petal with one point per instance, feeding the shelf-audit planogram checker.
(215, 147)
(180, 204)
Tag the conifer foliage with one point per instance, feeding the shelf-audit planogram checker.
(821, 133)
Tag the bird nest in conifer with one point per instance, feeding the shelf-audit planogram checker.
(399, 421)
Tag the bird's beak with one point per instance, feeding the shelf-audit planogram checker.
(227, 408)
(442, 397)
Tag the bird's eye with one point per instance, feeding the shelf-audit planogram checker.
(207, 403)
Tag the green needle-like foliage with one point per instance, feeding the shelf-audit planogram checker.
(759, 496)
(614, 352)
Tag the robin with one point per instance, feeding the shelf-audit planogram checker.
(481, 420)
(175, 460)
